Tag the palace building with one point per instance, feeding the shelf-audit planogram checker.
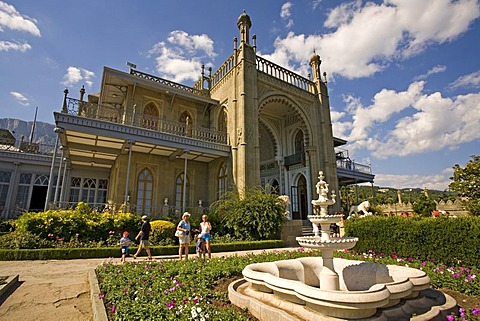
(157, 146)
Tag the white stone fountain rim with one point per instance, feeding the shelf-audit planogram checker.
(407, 280)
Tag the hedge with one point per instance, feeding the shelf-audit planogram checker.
(106, 252)
(450, 240)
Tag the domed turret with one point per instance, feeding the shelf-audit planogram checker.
(244, 23)
(315, 64)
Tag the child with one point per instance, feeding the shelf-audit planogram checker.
(124, 243)
(199, 245)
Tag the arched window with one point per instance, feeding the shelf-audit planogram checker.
(88, 190)
(144, 192)
(179, 192)
(275, 187)
(222, 121)
(188, 121)
(299, 142)
(150, 116)
(222, 181)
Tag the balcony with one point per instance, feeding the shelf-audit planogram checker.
(349, 172)
(131, 118)
(297, 158)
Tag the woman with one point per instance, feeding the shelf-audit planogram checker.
(184, 238)
(205, 228)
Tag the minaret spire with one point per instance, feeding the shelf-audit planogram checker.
(244, 23)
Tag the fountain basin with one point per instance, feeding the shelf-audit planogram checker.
(324, 219)
(340, 243)
(364, 287)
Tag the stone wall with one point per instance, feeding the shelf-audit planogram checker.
(454, 208)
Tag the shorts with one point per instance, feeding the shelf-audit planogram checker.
(184, 239)
(207, 237)
(124, 250)
(144, 243)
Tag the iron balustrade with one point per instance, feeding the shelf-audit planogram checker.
(169, 83)
(352, 166)
(294, 159)
(27, 147)
(120, 116)
(285, 75)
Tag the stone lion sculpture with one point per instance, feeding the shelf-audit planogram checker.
(361, 209)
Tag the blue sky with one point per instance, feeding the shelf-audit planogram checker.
(403, 76)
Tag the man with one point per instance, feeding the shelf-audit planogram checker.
(143, 236)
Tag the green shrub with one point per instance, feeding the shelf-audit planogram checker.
(162, 232)
(444, 239)
(255, 215)
(81, 223)
(111, 252)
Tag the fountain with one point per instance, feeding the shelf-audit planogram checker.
(327, 288)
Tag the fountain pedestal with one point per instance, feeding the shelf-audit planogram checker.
(309, 288)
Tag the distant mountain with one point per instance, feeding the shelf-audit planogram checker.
(43, 133)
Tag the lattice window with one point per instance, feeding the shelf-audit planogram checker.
(41, 180)
(150, 116)
(222, 181)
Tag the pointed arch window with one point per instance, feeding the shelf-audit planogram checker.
(179, 191)
(150, 116)
(222, 121)
(299, 143)
(144, 192)
(186, 119)
(222, 181)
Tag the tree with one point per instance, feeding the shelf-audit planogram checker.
(424, 206)
(466, 182)
(255, 215)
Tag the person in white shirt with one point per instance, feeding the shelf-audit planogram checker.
(205, 228)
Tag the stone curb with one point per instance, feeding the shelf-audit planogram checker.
(9, 282)
(98, 306)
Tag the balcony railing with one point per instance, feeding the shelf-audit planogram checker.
(169, 83)
(297, 158)
(26, 147)
(131, 118)
(352, 166)
(285, 75)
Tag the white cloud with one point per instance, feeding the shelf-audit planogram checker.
(7, 46)
(285, 14)
(285, 10)
(20, 98)
(367, 37)
(438, 181)
(10, 18)
(435, 70)
(470, 80)
(426, 122)
(75, 75)
(316, 4)
(172, 61)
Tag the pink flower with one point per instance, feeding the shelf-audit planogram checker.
(113, 309)
(101, 296)
(450, 317)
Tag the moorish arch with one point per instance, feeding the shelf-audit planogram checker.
(282, 107)
(268, 142)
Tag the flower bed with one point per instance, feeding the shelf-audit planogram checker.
(185, 290)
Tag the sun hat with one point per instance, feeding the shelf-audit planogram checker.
(144, 217)
(185, 214)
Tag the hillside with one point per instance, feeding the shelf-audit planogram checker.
(43, 131)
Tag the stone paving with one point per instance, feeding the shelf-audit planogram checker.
(56, 289)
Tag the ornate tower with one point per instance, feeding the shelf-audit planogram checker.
(246, 164)
(327, 152)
